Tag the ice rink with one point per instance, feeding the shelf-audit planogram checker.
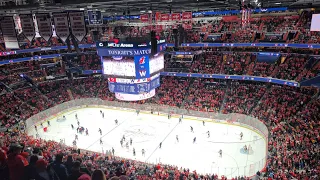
(147, 131)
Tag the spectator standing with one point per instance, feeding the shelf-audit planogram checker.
(98, 175)
(59, 168)
(30, 171)
(4, 171)
(68, 164)
(75, 171)
(16, 162)
(45, 172)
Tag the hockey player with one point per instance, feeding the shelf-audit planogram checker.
(101, 142)
(76, 137)
(208, 132)
(100, 112)
(72, 126)
(180, 120)
(64, 117)
(41, 124)
(191, 128)
(177, 138)
(103, 115)
(121, 142)
(203, 123)
(48, 122)
(160, 145)
(100, 131)
(130, 142)
(194, 140)
(78, 129)
(127, 145)
(134, 152)
(76, 115)
(138, 112)
(35, 127)
(87, 132)
(116, 121)
(74, 142)
(78, 122)
(123, 137)
(112, 151)
(245, 148)
(220, 153)
(241, 135)
(143, 152)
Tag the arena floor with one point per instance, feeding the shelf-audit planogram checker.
(147, 131)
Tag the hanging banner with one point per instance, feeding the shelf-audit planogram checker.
(144, 17)
(186, 16)
(77, 23)
(9, 33)
(44, 26)
(175, 17)
(61, 25)
(27, 26)
(157, 17)
(165, 17)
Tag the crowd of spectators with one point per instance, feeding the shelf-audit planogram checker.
(293, 66)
(282, 108)
(291, 114)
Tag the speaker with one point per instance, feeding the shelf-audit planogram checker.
(175, 31)
(75, 44)
(68, 45)
(154, 43)
(95, 35)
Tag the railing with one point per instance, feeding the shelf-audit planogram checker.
(253, 162)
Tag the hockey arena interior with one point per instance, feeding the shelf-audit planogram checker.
(154, 90)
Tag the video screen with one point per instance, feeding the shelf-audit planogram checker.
(118, 66)
(157, 63)
(315, 22)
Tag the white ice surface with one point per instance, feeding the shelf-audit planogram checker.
(148, 130)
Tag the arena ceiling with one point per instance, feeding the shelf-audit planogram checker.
(134, 7)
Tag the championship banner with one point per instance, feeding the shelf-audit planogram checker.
(61, 25)
(44, 26)
(27, 26)
(78, 26)
(186, 16)
(144, 17)
(175, 17)
(9, 32)
(165, 17)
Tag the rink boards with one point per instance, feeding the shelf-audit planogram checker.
(30, 125)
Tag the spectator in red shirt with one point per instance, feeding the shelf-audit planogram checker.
(16, 162)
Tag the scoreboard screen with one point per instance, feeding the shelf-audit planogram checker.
(117, 66)
(157, 63)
